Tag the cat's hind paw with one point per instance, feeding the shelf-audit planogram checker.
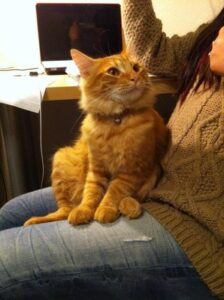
(81, 215)
(106, 214)
(130, 207)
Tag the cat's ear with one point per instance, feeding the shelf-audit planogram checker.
(123, 51)
(82, 61)
(129, 52)
(126, 52)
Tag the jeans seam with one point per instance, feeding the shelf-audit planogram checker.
(101, 270)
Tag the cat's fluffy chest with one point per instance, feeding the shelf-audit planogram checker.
(120, 147)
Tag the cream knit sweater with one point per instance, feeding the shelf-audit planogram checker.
(189, 199)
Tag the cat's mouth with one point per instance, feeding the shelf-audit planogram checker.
(130, 94)
(129, 91)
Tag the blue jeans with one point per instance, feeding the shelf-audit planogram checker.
(126, 260)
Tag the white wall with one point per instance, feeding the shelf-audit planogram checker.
(181, 16)
(18, 32)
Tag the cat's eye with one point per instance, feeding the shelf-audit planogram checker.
(136, 68)
(113, 71)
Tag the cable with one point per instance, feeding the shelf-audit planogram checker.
(16, 69)
(3, 187)
(41, 143)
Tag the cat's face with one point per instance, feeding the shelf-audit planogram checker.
(111, 84)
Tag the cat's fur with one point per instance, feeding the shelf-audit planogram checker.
(116, 159)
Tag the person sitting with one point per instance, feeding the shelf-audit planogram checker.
(175, 249)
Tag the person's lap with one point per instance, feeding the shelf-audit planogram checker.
(128, 259)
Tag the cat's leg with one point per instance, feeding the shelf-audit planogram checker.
(68, 177)
(130, 206)
(149, 183)
(121, 187)
(94, 190)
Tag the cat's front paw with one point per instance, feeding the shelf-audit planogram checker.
(106, 214)
(81, 215)
(130, 207)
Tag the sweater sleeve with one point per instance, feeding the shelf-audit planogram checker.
(145, 39)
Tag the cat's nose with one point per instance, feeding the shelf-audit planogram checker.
(134, 78)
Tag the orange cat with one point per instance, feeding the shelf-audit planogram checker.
(116, 159)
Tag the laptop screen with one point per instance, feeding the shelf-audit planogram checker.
(94, 29)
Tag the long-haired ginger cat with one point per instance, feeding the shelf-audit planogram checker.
(116, 158)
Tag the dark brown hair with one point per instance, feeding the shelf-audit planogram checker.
(197, 65)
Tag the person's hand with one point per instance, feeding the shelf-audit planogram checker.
(217, 54)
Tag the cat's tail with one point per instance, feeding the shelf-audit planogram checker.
(60, 214)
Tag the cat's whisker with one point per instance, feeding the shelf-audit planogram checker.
(81, 116)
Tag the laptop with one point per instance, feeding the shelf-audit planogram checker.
(95, 29)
